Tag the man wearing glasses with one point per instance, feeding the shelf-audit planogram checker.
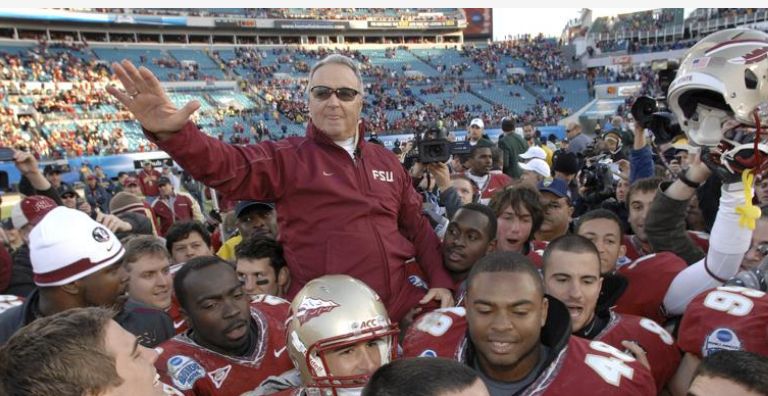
(344, 206)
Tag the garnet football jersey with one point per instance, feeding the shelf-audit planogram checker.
(659, 345)
(536, 253)
(582, 367)
(496, 182)
(635, 249)
(649, 279)
(195, 370)
(725, 318)
(179, 322)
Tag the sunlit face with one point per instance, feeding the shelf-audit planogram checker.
(475, 132)
(464, 189)
(606, 235)
(362, 358)
(467, 239)
(514, 229)
(150, 281)
(257, 220)
(69, 200)
(190, 247)
(336, 118)
(530, 178)
(505, 314)
(621, 190)
(753, 257)
(54, 178)
(574, 279)
(528, 132)
(557, 215)
(258, 276)
(134, 364)
(166, 190)
(481, 161)
(638, 209)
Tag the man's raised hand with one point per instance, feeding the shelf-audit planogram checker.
(143, 95)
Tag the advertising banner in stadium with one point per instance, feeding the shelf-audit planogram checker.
(235, 23)
(325, 25)
(411, 24)
(479, 23)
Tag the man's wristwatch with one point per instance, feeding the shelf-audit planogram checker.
(688, 182)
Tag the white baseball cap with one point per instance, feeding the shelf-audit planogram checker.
(477, 122)
(537, 165)
(534, 152)
(68, 245)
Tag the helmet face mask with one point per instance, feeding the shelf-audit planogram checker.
(385, 338)
(331, 313)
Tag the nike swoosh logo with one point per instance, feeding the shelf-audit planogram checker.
(178, 324)
(279, 352)
(327, 173)
(492, 189)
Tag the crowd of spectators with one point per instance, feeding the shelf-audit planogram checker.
(373, 14)
(574, 259)
(705, 14)
(642, 21)
(58, 120)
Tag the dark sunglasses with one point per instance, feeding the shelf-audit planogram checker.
(320, 92)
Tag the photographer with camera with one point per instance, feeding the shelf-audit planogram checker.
(595, 182)
(441, 200)
(427, 163)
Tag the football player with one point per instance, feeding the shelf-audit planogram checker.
(338, 335)
(572, 275)
(518, 339)
(232, 341)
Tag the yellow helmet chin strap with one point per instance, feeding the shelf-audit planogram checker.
(748, 212)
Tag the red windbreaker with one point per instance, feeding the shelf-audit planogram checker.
(336, 215)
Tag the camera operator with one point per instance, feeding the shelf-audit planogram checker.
(441, 200)
(427, 162)
(595, 181)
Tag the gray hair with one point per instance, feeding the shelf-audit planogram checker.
(338, 59)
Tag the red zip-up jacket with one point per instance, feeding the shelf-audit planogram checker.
(165, 215)
(336, 215)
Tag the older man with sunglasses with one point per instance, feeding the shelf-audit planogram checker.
(344, 206)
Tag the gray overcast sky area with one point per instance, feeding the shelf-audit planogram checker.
(550, 21)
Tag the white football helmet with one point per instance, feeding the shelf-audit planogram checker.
(723, 77)
(329, 313)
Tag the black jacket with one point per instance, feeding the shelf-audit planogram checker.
(22, 282)
(151, 326)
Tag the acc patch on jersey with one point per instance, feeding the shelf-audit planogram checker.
(184, 371)
(721, 339)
